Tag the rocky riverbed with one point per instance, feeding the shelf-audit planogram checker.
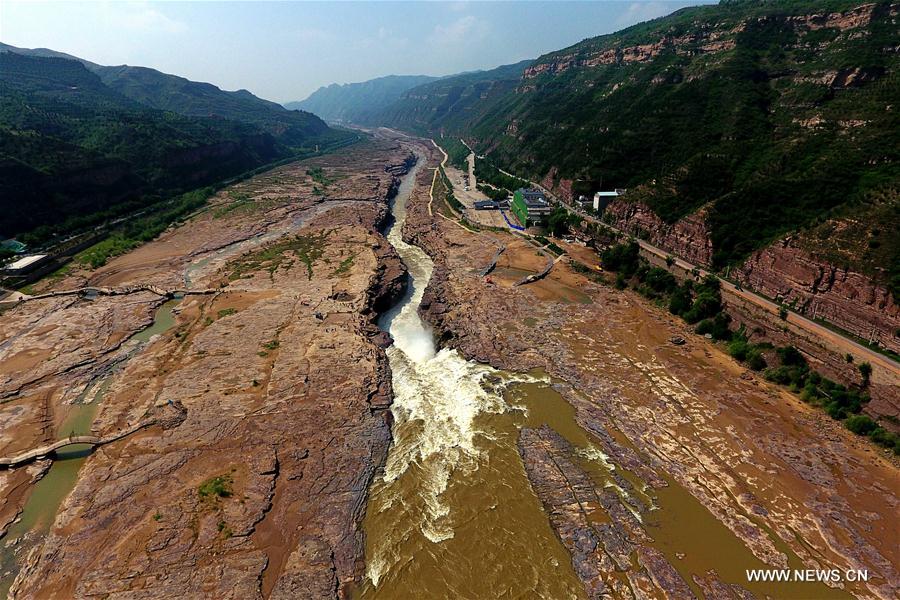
(260, 491)
(654, 469)
(702, 435)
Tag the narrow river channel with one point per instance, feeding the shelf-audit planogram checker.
(454, 515)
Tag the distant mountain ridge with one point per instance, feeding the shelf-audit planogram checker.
(81, 143)
(194, 99)
(355, 102)
(44, 53)
(449, 103)
(734, 125)
(190, 98)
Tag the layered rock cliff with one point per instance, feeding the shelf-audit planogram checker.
(784, 271)
(687, 237)
(821, 290)
(708, 39)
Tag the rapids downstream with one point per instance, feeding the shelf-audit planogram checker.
(454, 516)
(453, 512)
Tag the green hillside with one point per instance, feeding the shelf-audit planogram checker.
(355, 102)
(163, 91)
(453, 103)
(179, 95)
(777, 115)
(75, 151)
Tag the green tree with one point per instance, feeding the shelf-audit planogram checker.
(680, 301)
(622, 258)
(865, 369)
(860, 424)
(558, 222)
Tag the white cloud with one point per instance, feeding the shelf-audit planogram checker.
(314, 36)
(458, 6)
(638, 12)
(141, 17)
(463, 30)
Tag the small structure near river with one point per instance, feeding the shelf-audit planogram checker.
(530, 206)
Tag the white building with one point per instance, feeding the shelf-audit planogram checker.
(602, 199)
(25, 264)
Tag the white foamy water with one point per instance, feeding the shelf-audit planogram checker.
(594, 453)
(436, 403)
(437, 397)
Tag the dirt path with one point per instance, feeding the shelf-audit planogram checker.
(434, 179)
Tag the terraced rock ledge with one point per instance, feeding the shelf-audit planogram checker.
(261, 490)
(749, 470)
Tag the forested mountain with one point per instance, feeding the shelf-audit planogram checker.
(80, 143)
(356, 102)
(167, 92)
(771, 116)
(450, 103)
(190, 98)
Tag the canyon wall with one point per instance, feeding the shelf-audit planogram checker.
(705, 39)
(688, 238)
(783, 271)
(822, 354)
(820, 290)
(793, 276)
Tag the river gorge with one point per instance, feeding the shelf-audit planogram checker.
(453, 495)
(455, 513)
(346, 435)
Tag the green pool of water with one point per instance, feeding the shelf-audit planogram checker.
(48, 494)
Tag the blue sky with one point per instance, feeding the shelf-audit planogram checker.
(283, 51)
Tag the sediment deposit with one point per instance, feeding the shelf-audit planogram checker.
(260, 490)
(791, 485)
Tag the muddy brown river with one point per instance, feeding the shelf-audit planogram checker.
(454, 516)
